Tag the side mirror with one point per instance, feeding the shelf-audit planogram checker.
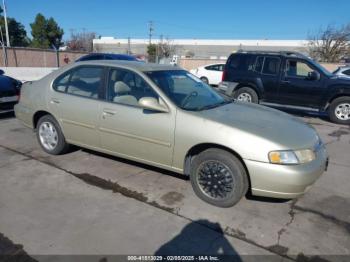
(313, 76)
(2, 72)
(152, 103)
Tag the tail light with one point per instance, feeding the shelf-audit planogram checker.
(18, 90)
(223, 75)
(19, 94)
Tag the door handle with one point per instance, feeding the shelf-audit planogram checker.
(107, 112)
(285, 81)
(55, 101)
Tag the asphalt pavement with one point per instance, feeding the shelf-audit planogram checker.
(88, 203)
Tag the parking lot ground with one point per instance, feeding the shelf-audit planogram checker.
(85, 202)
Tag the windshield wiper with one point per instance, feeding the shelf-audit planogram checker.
(215, 105)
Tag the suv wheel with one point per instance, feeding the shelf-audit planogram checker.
(246, 94)
(50, 136)
(339, 110)
(218, 178)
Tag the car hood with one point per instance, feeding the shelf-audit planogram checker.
(340, 79)
(266, 123)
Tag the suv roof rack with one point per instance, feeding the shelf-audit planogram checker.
(265, 52)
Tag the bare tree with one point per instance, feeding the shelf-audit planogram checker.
(166, 48)
(330, 44)
(81, 41)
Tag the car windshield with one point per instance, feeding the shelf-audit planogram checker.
(187, 91)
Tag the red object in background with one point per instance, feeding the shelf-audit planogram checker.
(66, 59)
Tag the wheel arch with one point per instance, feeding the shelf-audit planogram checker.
(250, 85)
(197, 149)
(38, 115)
(335, 96)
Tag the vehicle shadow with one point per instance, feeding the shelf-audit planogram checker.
(8, 115)
(200, 237)
(250, 197)
(133, 163)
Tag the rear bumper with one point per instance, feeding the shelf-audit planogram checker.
(285, 181)
(24, 114)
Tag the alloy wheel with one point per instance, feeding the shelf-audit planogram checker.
(48, 135)
(342, 111)
(215, 179)
(244, 97)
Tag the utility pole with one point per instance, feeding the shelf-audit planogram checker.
(129, 46)
(6, 27)
(151, 29)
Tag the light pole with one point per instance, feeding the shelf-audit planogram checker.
(6, 27)
(4, 54)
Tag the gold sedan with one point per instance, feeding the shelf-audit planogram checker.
(164, 116)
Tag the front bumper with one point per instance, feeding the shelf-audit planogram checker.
(285, 181)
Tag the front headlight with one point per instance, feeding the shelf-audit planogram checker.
(290, 157)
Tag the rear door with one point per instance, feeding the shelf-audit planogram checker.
(296, 88)
(76, 100)
(268, 74)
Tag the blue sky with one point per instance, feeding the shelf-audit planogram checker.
(223, 19)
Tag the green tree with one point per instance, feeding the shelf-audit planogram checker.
(17, 33)
(152, 52)
(46, 32)
(54, 33)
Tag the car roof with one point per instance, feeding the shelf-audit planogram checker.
(213, 64)
(136, 65)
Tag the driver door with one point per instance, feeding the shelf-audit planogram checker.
(127, 129)
(297, 88)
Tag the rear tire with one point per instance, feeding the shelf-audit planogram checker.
(218, 177)
(246, 94)
(50, 136)
(339, 110)
(205, 80)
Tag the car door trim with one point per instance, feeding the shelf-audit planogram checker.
(142, 138)
(78, 123)
(290, 106)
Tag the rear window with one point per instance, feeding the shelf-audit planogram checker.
(271, 65)
(82, 81)
(259, 64)
(240, 63)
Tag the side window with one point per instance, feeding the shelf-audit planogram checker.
(221, 67)
(127, 87)
(259, 64)
(271, 65)
(347, 72)
(82, 81)
(212, 68)
(61, 82)
(297, 68)
(240, 63)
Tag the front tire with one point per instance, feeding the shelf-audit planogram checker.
(50, 136)
(218, 177)
(339, 110)
(246, 94)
